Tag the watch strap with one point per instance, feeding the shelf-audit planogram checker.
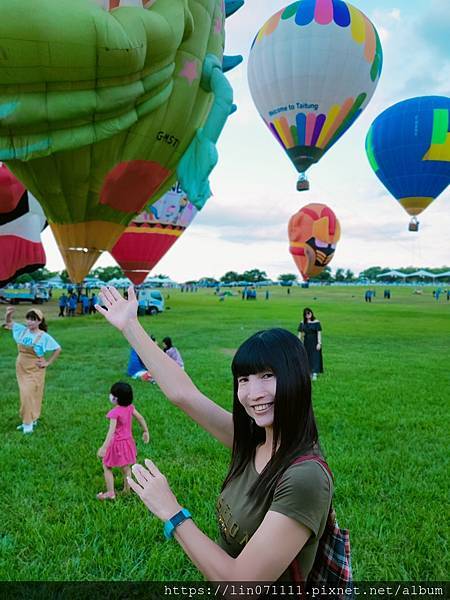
(173, 522)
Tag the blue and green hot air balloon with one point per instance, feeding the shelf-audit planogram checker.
(408, 146)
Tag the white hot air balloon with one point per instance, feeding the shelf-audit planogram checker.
(313, 68)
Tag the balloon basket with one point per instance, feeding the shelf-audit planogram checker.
(302, 184)
(413, 225)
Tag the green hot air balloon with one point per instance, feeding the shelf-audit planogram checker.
(99, 109)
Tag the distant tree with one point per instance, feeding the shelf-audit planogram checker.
(286, 277)
(349, 275)
(372, 272)
(325, 275)
(64, 276)
(24, 278)
(42, 274)
(254, 275)
(339, 275)
(230, 277)
(107, 273)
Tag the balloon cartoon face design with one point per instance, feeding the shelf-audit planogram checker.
(313, 234)
(100, 100)
(312, 70)
(420, 127)
(149, 237)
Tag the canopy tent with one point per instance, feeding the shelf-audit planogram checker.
(392, 274)
(159, 282)
(446, 274)
(422, 273)
(92, 282)
(121, 282)
(55, 281)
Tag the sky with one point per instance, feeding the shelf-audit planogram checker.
(244, 224)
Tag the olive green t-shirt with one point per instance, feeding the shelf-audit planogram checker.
(303, 493)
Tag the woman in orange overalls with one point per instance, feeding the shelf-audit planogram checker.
(33, 343)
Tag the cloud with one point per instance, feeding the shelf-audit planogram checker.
(433, 27)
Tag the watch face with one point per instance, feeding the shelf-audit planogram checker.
(169, 526)
(178, 518)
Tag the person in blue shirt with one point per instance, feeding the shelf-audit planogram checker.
(85, 303)
(72, 304)
(136, 368)
(33, 343)
(62, 303)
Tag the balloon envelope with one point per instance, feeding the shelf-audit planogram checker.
(21, 250)
(99, 107)
(408, 147)
(312, 70)
(313, 234)
(148, 237)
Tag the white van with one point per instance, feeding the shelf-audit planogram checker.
(150, 302)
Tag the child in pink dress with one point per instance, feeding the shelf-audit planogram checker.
(119, 448)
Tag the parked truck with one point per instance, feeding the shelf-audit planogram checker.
(36, 294)
(150, 302)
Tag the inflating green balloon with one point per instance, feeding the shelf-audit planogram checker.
(98, 108)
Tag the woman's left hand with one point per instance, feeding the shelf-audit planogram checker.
(318, 347)
(152, 488)
(42, 363)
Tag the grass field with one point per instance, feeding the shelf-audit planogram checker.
(381, 406)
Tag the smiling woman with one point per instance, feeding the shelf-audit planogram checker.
(278, 489)
(33, 342)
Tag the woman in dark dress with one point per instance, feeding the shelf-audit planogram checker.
(310, 333)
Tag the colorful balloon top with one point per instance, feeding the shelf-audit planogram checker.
(313, 233)
(313, 68)
(102, 102)
(408, 147)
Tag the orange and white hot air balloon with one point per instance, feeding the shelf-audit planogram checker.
(313, 234)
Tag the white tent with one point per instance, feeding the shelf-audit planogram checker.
(422, 273)
(392, 274)
(159, 282)
(446, 274)
(122, 282)
(55, 281)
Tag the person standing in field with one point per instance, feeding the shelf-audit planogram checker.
(33, 343)
(310, 333)
(276, 497)
(119, 447)
(72, 304)
(62, 303)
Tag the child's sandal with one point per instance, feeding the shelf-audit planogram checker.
(106, 496)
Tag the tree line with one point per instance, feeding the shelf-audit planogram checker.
(250, 276)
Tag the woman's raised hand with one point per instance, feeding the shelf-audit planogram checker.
(118, 311)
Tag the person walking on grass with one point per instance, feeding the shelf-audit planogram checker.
(277, 493)
(33, 343)
(310, 333)
(119, 447)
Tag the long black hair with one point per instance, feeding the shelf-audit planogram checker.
(294, 426)
(305, 310)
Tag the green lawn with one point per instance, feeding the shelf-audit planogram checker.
(381, 405)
